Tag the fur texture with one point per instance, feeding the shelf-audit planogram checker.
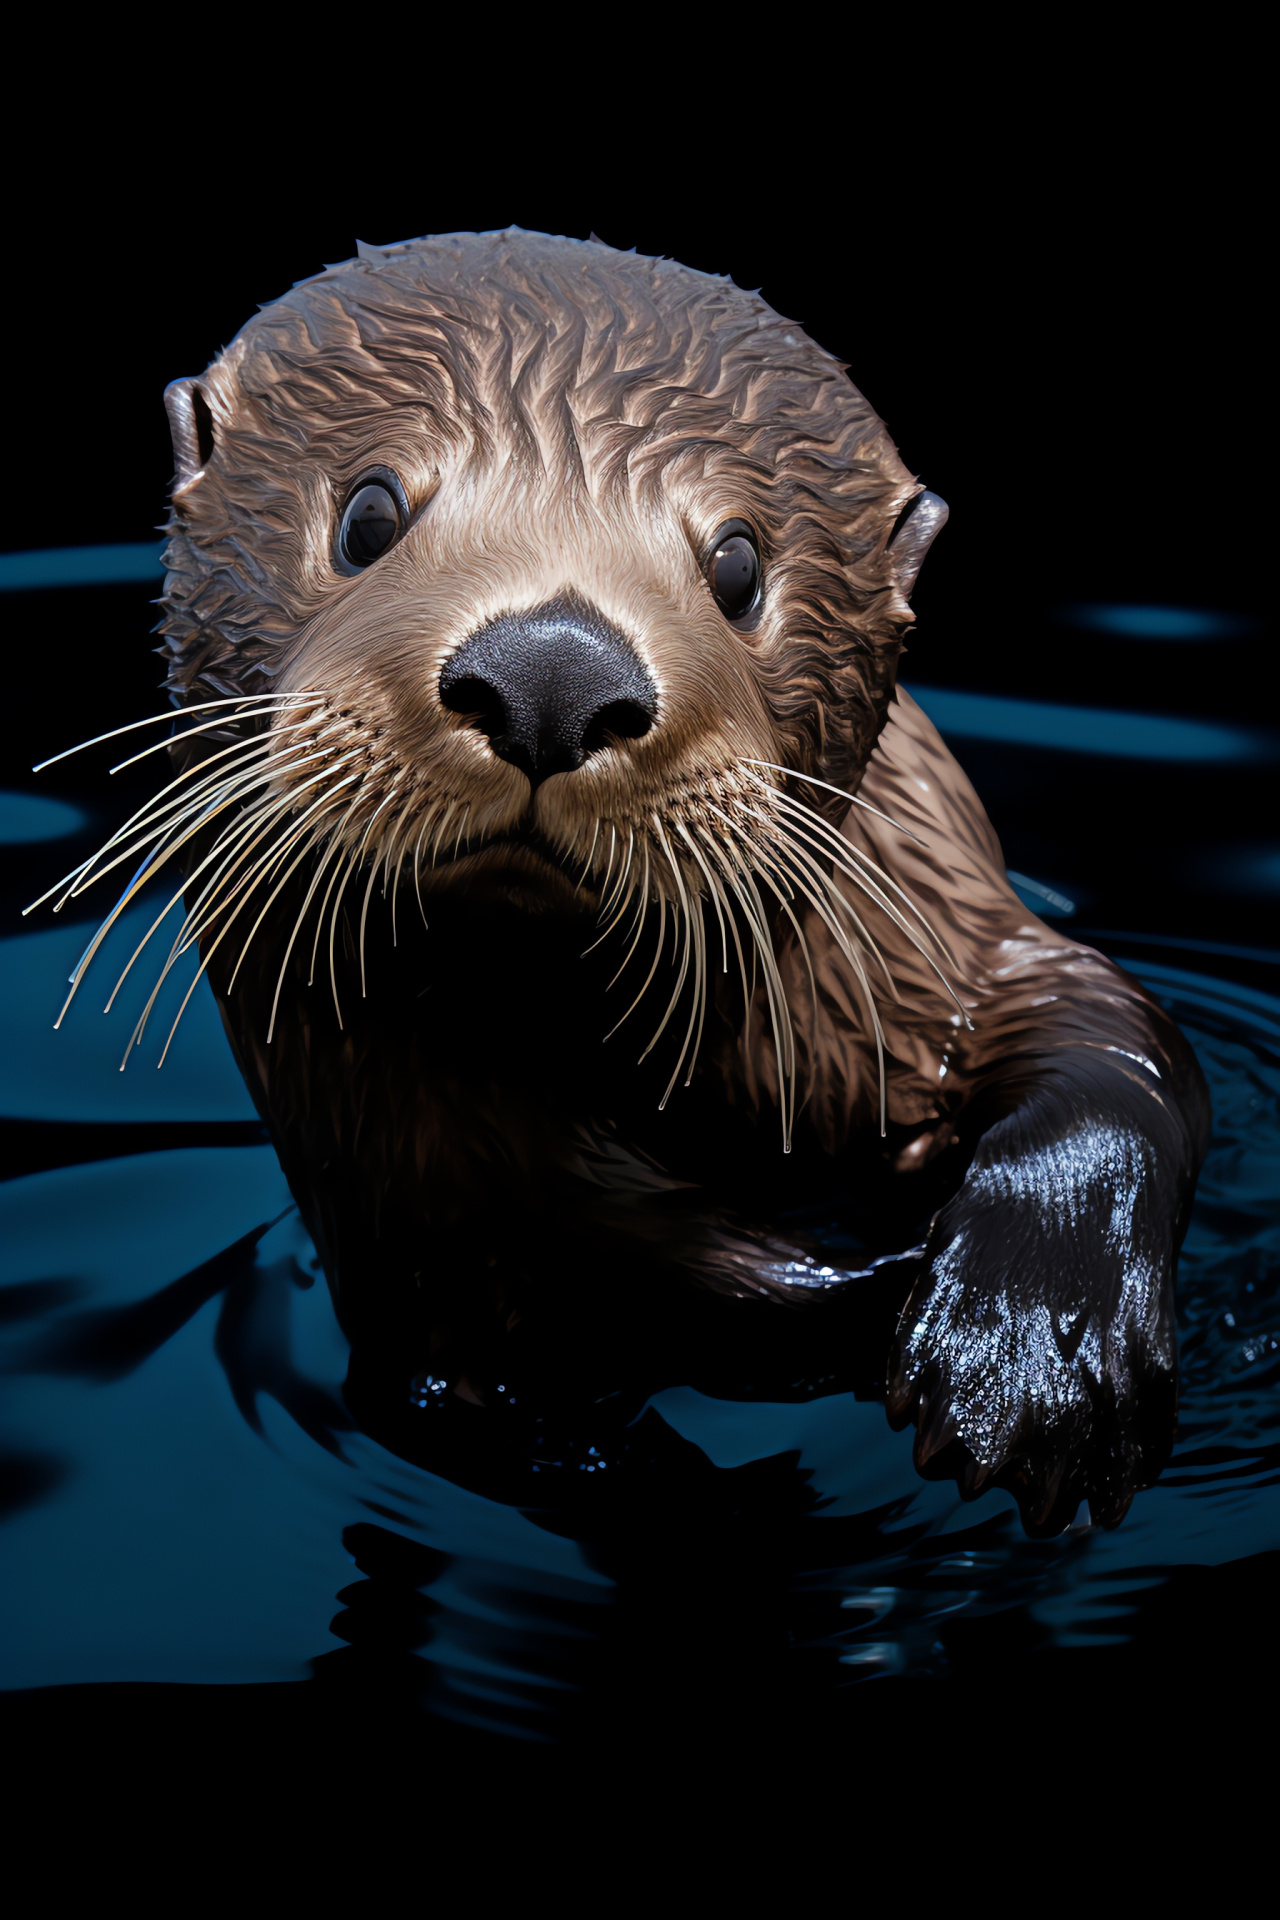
(789, 860)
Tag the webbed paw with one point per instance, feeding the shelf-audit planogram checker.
(1037, 1350)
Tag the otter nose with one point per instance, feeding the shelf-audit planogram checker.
(549, 687)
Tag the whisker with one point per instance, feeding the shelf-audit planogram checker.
(233, 835)
(590, 856)
(662, 941)
(260, 872)
(153, 811)
(373, 874)
(417, 852)
(332, 848)
(321, 805)
(700, 999)
(284, 803)
(232, 788)
(604, 884)
(641, 912)
(784, 903)
(808, 961)
(874, 893)
(273, 814)
(337, 847)
(743, 888)
(347, 872)
(307, 836)
(354, 861)
(619, 893)
(244, 828)
(145, 872)
(141, 944)
(144, 818)
(816, 889)
(684, 947)
(267, 702)
(785, 851)
(364, 914)
(236, 844)
(733, 930)
(395, 884)
(624, 902)
(73, 876)
(851, 954)
(206, 773)
(683, 831)
(256, 739)
(448, 815)
(741, 856)
(686, 943)
(853, 798)
(749, 991)
(842, 851)
(703, 971)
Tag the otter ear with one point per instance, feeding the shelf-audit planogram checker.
(919, 525)
(191, 430)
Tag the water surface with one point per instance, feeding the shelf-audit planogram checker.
(188, 1500)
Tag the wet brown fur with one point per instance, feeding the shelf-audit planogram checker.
(567, 417)
(571, 421)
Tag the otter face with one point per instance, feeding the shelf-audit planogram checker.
(532, 678)
(535, 475)
(528, 569)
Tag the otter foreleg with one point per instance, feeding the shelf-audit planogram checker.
(1038, 1347)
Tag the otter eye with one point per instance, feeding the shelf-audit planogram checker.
(370, 524)
(733, 570)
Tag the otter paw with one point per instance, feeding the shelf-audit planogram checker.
(1039, 1359)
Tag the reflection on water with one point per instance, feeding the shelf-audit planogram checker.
(189, 1499)
(188, 1496)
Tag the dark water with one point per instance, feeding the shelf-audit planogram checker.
(187, 1499)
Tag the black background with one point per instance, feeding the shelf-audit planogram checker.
(1038, 252)
(1041, 265)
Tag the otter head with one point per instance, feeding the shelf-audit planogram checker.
(539, 568)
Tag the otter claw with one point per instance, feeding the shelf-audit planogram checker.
(988, 1424)
(938, 1427)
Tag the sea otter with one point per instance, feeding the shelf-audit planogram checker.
(580, 890)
